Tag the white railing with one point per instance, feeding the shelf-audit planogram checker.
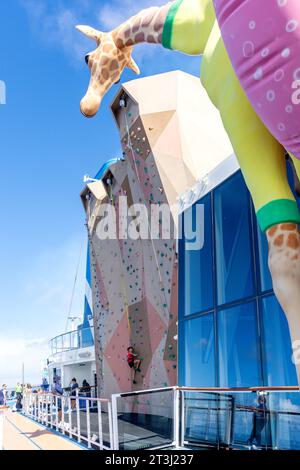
(70, 341)
(86, 420)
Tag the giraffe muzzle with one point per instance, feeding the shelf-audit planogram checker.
(90, 105)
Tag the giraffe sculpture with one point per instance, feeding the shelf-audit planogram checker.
(190, 26)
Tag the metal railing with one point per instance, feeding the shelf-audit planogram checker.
(248, 418)
(72, 340)
(2, 419)
(85, 419)
(175, 417)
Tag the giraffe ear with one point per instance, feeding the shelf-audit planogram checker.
(131, 64)
(90, 32)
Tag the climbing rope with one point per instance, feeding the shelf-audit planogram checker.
(74, 285)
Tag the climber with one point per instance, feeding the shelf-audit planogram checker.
(133, 362)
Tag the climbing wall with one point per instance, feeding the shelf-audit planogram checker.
(134, 282)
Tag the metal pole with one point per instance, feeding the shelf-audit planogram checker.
(182, 404)
(114, 423)
(78, 417)
(23, 377)
(88, 422)
(70, 417)
(100, 427)
(176, 437)
(1, 426)
(63, 415)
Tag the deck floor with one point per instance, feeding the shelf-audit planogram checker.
(21, 433)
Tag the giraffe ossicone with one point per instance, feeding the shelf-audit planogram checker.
(106, 64)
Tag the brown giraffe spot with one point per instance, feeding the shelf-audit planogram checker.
(293, 241)
(279, 240)
(294, 258)
(151, 38)
(272, 231)
(114, 65)
(160, 20)
(136, 27)
(288, 227)
(127, 32)
(158, 27)
(129, 42)
(105, 74)
(104, 60)
(140, 37)
(120, 43)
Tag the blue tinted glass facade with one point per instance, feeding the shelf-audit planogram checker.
(198, 264)
(233, 241)
(200, 351)
(239, 346)
(232, 330)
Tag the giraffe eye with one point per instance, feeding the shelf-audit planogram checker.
(87, 58)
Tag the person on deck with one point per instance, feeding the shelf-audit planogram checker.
(133, 362)
(58, 390)
(2, 398)
(86, 388)
(74, 388)
(18, 390)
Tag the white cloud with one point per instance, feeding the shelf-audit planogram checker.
(16, 351)
(54, 22)
(39, 310)
(116, 12)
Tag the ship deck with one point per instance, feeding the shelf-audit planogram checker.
(21, 433)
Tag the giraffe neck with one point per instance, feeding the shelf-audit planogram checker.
(146, 26)
(284, 263)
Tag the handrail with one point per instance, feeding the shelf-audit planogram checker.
(103, 400)
(212, 389)
(71, 416)
(64, 334)
(241, 389)
(74, 338)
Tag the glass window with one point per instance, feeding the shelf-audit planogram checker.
(239, 346)
(233, 241)
(278, 366)
(265, 275)
(200, 352)
(198, 264)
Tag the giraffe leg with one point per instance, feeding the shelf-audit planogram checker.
(284, 263)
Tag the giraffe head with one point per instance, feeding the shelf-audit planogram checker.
(106, 64)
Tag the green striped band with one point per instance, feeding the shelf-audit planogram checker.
(278, 212)
(168, 26)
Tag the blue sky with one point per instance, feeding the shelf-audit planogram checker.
(46, 147)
